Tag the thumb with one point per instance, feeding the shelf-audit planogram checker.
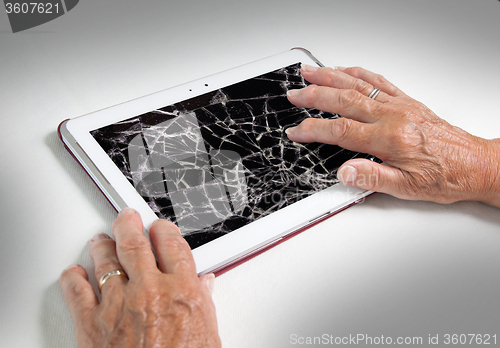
(372, 176)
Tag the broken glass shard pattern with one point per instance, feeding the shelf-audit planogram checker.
(219, 161)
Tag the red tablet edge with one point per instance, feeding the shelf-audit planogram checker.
(77, 161)
(232, 264)
(229, 266)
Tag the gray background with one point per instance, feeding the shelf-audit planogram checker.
(385, 267)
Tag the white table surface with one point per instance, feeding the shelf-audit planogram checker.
(385, 267)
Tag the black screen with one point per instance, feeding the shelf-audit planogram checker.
(216, 162)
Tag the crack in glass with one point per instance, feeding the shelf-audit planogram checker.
(218, 161)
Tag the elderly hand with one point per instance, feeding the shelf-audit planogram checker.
(164, 305)
(426, 158)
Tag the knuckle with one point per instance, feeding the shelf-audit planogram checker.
(133, 245)
(166, 224)
(146, 283)
(355, 71)
(312, 93)
(407, 136)
(108, 320)
(162, 226)
(348, 98)
(408, 132)
(150, 292)
(380, 80)
(360, 85)
(185, 263)
(340, 128)
(331, 74)
(377, 110)
(189, 302)
(307, 125)
(183, 295)
(317, 96)
(149, 287)
(175, 243)
(80, 289)
(124, 219)
(74, 292)
(425, 113)
(105, 266)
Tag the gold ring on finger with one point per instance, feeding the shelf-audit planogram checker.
(108, 275)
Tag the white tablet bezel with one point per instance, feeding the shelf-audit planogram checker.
(211, 256)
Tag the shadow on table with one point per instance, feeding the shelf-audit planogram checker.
(55, 320)
(84, 182)
(476, 210)
(442, 292)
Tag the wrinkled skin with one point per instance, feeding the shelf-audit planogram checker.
(164, 305)
(425, 157)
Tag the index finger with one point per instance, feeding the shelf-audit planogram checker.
(172, 251)
(346, 133)
(132, 247)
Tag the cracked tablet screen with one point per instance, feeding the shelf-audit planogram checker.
(218, 161)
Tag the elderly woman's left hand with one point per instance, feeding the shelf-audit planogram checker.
(164, 305)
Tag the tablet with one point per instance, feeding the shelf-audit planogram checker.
(212, 156)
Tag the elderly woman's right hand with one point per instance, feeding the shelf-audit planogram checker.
(426, 158)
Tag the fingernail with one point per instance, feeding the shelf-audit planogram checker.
(309, 68)
(75, 265)
(100, 236)
(126, 211)
(290, 130)
(340, 68)
(211, 282)
(347, 174)
(292, 93)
